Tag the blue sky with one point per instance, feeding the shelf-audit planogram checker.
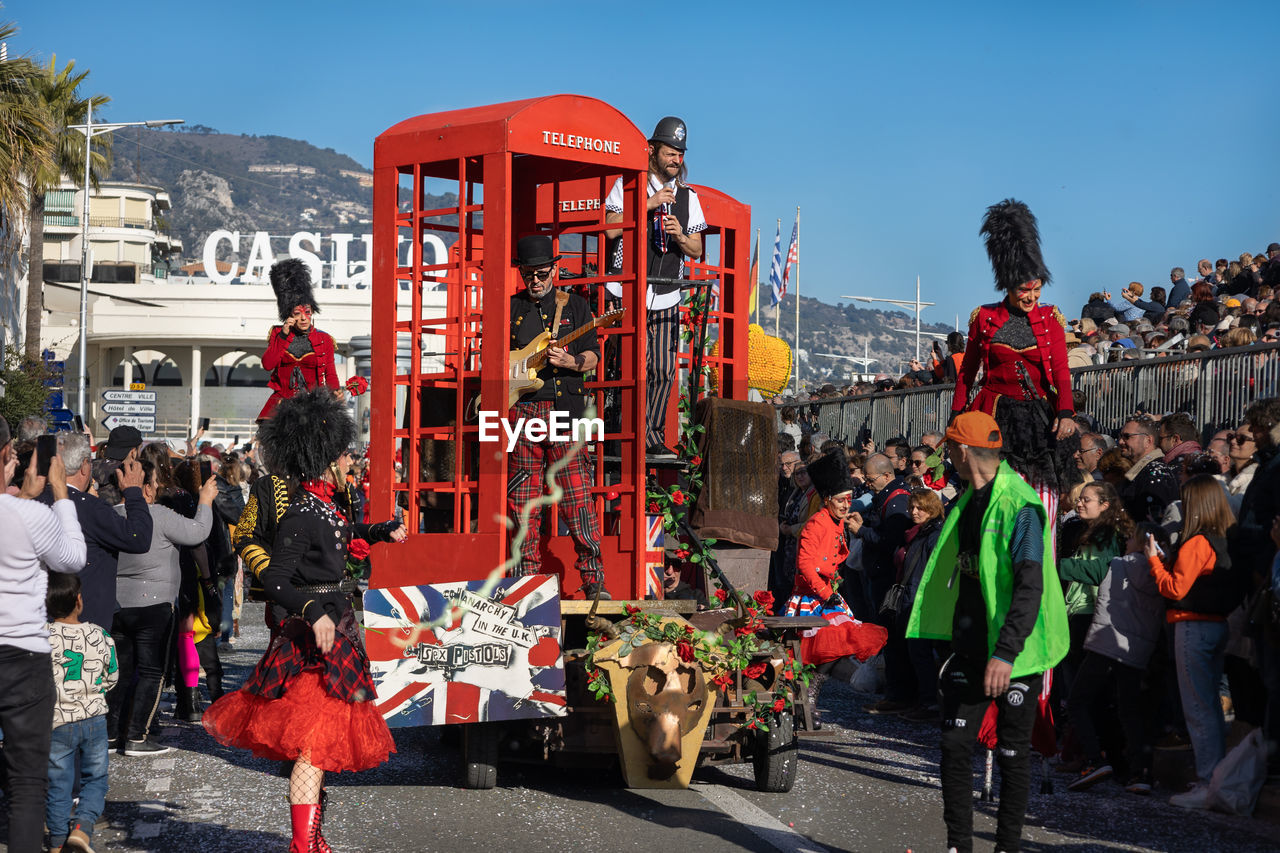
(1143, 135)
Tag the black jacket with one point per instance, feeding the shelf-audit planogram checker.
(1147, 495)
(106, 537)
(1097, 310)
(885, 528)
(1251, 546)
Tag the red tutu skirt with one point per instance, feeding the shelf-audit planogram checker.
(841, 636)
(306, 722)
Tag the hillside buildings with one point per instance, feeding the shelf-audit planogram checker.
(194, 340)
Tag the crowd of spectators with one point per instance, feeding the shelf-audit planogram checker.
(1228, 304)
(142, 533)
(1153, 510)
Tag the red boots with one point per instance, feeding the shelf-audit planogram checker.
(306, 830)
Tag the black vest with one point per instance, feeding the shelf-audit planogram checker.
(667, 264)
(562, 385)
(1218, 592)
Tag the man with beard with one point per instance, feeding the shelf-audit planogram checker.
(1150, 485)
(675, 226)
(537, 309)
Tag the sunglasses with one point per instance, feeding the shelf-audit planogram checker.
(1125, 436)
(1241, 438)
(540, 275)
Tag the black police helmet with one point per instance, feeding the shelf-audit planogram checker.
(670, 131)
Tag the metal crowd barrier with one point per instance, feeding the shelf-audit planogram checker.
(1214, 387)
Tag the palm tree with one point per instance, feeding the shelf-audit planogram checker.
(59, 94)
(24, 141)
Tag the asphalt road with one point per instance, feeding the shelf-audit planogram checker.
(873, 787)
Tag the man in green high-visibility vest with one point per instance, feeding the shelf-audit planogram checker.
(988, 590)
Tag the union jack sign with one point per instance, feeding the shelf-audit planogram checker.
(501, 660)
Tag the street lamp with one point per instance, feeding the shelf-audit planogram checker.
(90, 130)
(916, 306)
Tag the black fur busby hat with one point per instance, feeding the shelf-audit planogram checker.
(1013, 244)
(291, 280)
(306, 433)
(830, 474)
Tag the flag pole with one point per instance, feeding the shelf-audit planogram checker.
(777, 309)
(756, 283)
(797, 299)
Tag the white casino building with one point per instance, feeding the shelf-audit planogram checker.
(196, 340)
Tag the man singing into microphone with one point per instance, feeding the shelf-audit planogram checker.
(675, 231)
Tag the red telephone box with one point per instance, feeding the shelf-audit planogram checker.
(542, 165)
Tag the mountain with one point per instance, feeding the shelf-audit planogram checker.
(251, 183)
(847, 330)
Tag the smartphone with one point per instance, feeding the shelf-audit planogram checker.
(1152, 539)
(204, 423)
(46, 449)
(79, 422)
(236, 443)
(206, 471)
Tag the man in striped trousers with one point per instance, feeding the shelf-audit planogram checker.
(675, 226)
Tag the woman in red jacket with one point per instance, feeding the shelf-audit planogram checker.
(823, 550)
(1020, 346)
(299, 356)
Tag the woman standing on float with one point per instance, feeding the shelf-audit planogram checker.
(1020, 347)
(310, 699)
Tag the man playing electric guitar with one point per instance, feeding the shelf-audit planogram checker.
(537, 309)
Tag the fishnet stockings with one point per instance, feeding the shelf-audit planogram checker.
(305, 782)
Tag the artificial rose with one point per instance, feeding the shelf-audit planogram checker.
(690, 630)
(721, 595)
(764, 598)
(755, 670)
(779, 704)
(654, 508)
(631, 609)
(357, 385)
(723, 681)
(358, 550)
(684, 649)
(695, 461)
(682, 553)
(677, 497)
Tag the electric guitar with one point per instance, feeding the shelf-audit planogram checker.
(525, 363)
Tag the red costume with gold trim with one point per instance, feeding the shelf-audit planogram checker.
(1045, 361)
(292, 373)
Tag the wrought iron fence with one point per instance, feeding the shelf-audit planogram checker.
(1214, 387)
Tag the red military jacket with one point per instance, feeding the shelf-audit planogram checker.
(822, 553)
(316, 367)
(1046, 362)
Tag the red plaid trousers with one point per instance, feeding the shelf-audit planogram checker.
(575, 506)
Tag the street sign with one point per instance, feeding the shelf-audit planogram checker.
(129, 408)
(142, 423)
(129, 396)
(137, 386)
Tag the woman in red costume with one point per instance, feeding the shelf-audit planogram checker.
(299, 356)
(310, 699)
(1020, 347)
(824, 547)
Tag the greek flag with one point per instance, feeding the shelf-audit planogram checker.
(776, 285)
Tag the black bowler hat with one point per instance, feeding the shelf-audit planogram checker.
(535, 251)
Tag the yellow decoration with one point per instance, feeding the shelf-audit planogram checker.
(768, 362)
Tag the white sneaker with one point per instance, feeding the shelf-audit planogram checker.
(1197, 797)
